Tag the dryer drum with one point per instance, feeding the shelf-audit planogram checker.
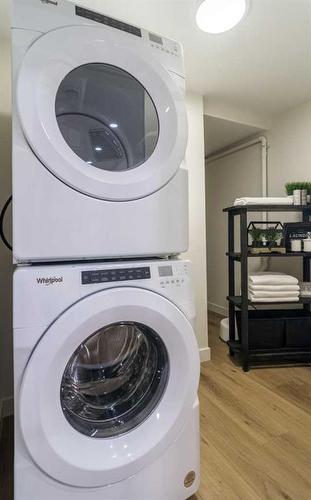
(107, 117)
(101, 147)
(114, 380)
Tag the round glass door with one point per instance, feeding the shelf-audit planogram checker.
(102, 114)
(95, 374)
(114, 380)
(107, 117)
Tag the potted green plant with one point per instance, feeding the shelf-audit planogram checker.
(308, 188)
(256, 239)
(256, 235)
(290, 187)
(272, 236)
(265, 237)
(299, 191)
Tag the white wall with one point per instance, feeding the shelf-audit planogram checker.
(6, 385)
(197, 225)
(289, 159)
(290, 151)
(235, 175)
(219, 107)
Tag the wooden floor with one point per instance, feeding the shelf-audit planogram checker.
(255, 429)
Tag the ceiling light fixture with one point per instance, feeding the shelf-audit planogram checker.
(217, 16)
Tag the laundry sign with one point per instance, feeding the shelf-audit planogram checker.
(296, 231)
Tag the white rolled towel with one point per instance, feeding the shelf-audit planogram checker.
(274, 288)
(264, 201)
(252, 298)
(269, 278)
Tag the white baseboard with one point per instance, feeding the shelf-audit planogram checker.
(6, 407)
(218, 309)
(205, 354)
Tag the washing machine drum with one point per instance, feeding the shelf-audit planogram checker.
(109, 387)
(101, 114)
(114, 380)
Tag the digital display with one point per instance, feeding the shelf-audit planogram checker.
(155, 39)
(111, 275)
(109, 21)
(165, 271)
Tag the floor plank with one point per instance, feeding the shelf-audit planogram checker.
(255, 431)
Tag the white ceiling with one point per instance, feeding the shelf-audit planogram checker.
(219, 133)
(263, 65)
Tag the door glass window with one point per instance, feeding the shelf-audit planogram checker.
(114, 380)
(107, 117)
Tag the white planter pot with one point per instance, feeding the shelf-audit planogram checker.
(300, 197)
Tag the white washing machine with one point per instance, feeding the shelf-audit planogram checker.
(106, 379)
(99, 137)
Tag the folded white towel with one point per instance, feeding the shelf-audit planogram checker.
(267, 299)
(272, 279)
(273, 288)
(271, 295)
(264, 201)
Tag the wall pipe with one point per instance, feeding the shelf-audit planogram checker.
(244, 145)
(265, 262)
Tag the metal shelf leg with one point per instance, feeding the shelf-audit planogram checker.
(244, 288)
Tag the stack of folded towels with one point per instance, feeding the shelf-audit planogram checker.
(273, 287)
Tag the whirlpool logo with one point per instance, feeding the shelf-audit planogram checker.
(50, 281)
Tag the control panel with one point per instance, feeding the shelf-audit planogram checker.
(172, 275)
(113, 275)
(108, 21)
(164, 45)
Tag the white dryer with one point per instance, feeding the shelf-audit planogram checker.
(106, 379)
(99, 137)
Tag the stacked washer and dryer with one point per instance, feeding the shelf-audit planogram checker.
(105, 356)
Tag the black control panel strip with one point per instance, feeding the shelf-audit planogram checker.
(113, 275)
(108, 21)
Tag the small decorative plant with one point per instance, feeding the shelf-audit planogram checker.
(293, 186)
(307, 187)
(256, 234)
(272, 236)
(266, 237)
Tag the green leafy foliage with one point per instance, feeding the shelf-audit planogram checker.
(272, 235)
(292, 186)
(256, 234)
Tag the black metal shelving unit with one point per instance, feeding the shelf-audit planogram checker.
(241, 302)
